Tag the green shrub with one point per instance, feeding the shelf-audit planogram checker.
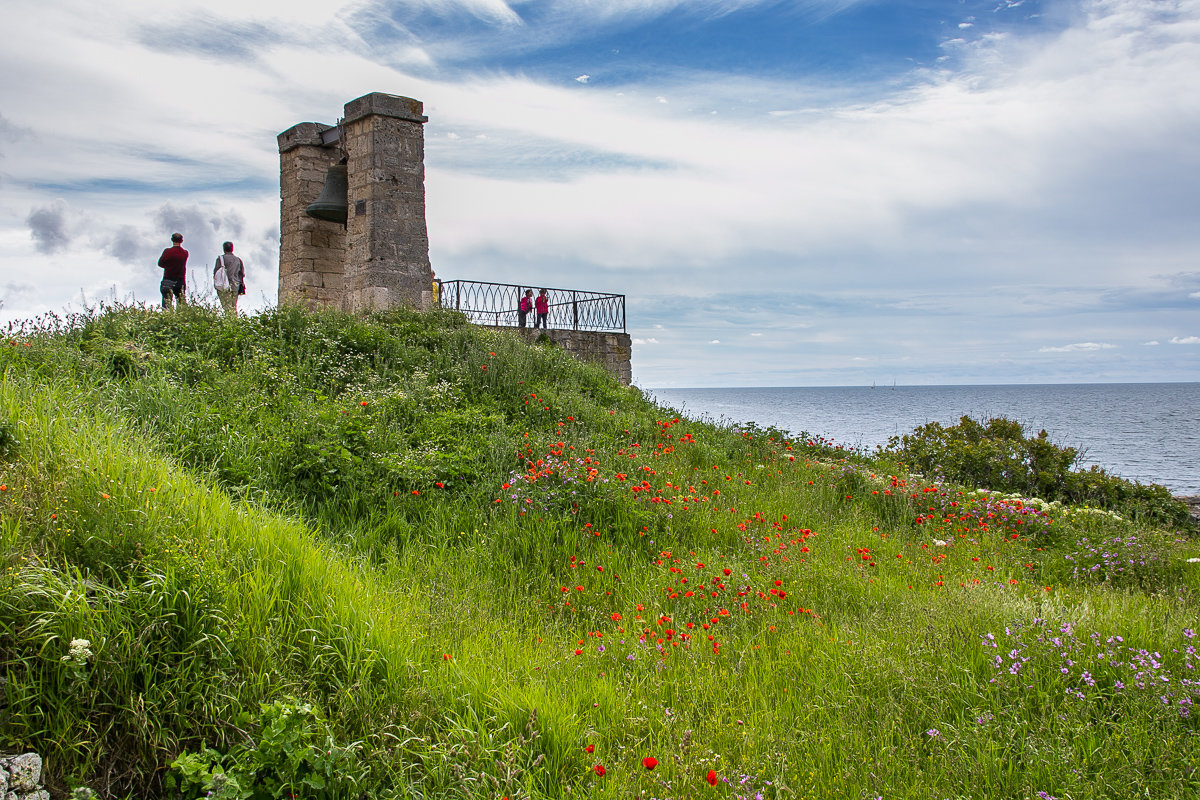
(292, 754)
(998, 454)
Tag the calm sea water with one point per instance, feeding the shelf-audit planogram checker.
(1148, 432)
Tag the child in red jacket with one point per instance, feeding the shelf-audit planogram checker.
(543, 309)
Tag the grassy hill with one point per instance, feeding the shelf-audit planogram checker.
(325, 556)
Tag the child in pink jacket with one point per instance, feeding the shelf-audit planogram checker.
(524, 307)
(543, 309)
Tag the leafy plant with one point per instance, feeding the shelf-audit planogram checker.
(293, 754)
(998, 454)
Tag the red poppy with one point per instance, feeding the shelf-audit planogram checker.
(591, 748)
(711, 777)
(649, 762)
(599, 770)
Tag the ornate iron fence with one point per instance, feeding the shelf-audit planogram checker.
(570, 309)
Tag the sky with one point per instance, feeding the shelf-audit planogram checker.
(788, 193)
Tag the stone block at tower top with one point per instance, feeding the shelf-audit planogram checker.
(304, 133)
(385, 105)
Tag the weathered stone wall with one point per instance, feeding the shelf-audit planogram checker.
(380, 258)
(312, 252)
(387, 248)
(607, 349)
(21, 777)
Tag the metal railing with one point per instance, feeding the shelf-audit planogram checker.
(570, 309)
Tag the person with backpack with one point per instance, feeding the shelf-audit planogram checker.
(229, 279)
(524, 307)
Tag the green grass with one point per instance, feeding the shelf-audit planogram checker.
(329, 556)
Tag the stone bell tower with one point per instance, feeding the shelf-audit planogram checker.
(379, 256)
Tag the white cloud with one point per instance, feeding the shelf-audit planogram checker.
(495, 11)
(1080, 347)
(583, 78)
(645, 341)
(805, 184)
(1185, 340)
(715, 341)
(1151, 343)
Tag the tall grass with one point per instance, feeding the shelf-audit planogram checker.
(335, 556)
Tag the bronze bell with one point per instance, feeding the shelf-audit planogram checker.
(332, 204)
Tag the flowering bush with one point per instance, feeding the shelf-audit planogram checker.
(998, 454)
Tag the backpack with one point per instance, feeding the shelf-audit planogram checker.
(220, 276)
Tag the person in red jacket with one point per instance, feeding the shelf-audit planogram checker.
(543, 309)
(174, 266)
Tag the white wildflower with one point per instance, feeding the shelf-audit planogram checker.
(80, 652)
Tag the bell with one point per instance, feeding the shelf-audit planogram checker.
(332, 204)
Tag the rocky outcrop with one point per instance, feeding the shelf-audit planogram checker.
(20, 778)
(1193, 504)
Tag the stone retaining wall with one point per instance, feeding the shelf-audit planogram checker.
(608, 349)
(20, 778)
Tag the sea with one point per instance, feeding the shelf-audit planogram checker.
(1147, 432)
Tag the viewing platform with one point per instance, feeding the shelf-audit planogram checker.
(495, 305)
(589, 325)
